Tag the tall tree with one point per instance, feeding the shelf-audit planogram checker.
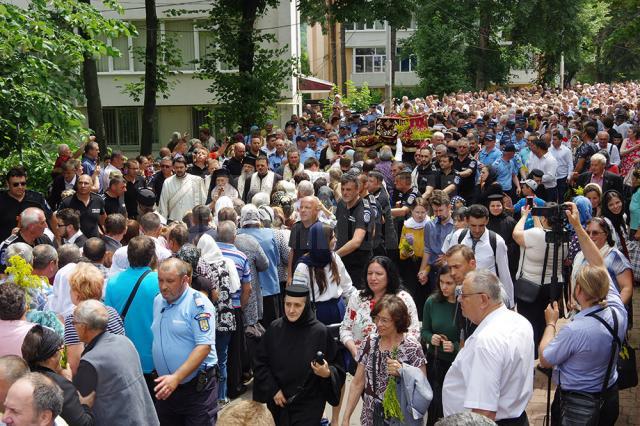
(150, 77)
(246, 97)
(92, 95)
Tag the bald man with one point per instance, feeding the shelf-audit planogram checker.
(299, 239)
(234, 164)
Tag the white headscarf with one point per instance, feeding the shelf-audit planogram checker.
(222, 202)
(211, 254)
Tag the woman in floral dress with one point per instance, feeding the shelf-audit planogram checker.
(381, 356)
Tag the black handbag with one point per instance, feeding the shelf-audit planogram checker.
(527, 290)
(583, 408)
(627, 371)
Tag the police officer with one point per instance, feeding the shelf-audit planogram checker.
(16, 199)
(354, 230)
(183, 349)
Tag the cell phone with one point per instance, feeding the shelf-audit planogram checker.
(319, 359)
(530, 202)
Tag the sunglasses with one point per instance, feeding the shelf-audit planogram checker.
(17, 184)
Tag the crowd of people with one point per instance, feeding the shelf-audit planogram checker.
(154, 290)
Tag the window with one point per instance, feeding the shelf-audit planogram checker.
(363, 26)
(369, 59)
(406, 60)
(123, 125)
(199, 117)
(182, 33)
(140, 44)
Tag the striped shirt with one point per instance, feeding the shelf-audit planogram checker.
(114, 326)
(242, 265)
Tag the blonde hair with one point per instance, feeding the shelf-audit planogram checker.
(594, 282)
(87, 281)
(245, 413)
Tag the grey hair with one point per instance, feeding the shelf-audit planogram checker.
(260, 199)
(43, 254)
(93, 314)
(30, 216)
(485, 281)
(465, 418)
(181, 267)
(227, 232)
(305, 189)
(599, 158)
(47, 395)
(12, 367)
(68, 253)
(23, 250)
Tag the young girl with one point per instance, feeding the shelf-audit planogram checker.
(412, 249)
(459, 217)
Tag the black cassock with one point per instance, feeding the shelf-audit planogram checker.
(282, 362)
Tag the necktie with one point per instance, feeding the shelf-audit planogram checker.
(474, 244)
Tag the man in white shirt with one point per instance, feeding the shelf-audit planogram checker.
(180, 192)
(493, 373)
(541, 159)
(479, 238)
(116, 164)
(612, 150)
(564, 158)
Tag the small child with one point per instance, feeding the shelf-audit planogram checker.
(412, 246)
(459, 222)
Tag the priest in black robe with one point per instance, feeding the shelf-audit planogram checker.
(286, 377)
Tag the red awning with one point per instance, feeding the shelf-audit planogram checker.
(307, 84)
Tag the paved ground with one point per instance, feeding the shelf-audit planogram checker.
(629, 398)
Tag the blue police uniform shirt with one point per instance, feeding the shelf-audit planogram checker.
(179, 327)
(306, 153)
(580, 351)
(276, 160)
(506, 170)
(488, 158)
(321, 143)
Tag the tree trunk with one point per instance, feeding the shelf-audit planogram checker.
(150, 77)
(246, 51)
(92, 93)
(332, 44)
(343, 59)
(483, 43)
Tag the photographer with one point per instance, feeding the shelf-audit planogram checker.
(533, 280)
(582, 351)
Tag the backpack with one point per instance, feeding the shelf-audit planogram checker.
(492, 242)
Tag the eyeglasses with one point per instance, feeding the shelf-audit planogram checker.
(462, 295)
(594, 233)
(17, 184)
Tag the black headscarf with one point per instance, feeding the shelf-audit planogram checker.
(320, 255)
(308, 317)
(49, 345)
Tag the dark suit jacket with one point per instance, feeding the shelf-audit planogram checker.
(57, 188)
(609, 181)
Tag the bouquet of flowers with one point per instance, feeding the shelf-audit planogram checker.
(390, 403)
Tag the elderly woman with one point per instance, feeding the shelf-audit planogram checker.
(86, 282)
(536, 268)
(382, 355)
(382, 279)
(584, 351)
(42, 349)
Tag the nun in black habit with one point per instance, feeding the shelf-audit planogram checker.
(295, 388)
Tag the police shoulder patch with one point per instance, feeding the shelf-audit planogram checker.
(203, 321)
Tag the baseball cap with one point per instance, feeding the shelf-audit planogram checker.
(530, 183)
(489, 137)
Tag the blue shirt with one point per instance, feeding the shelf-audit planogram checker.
(137, 323)
(506, 170)
(538, 202)
(276, 160)
(269, 283)
(581, 350)
(490, 157)
(434, 234)
(179, 327)
(306, 153)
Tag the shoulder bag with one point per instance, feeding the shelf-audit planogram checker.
(583, 408)
(127, 305)
(527, 290)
